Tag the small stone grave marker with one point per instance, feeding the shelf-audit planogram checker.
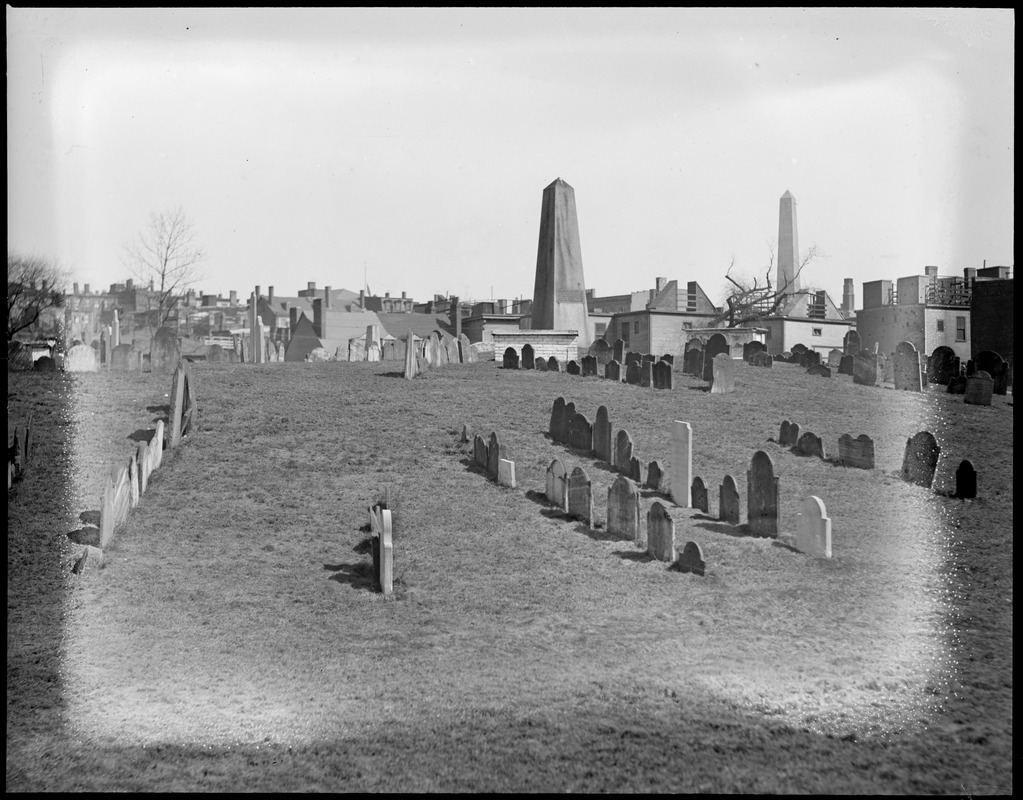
(979, 389)
(654, 476)
(480, 454)
(495, 453)
(809, 444)
(966, 481)
(557, 485)
(603, 448)
(662, 375)
(632, 373)
(691, 560)
(613, 371)
(589, 366)
(813, 529)
(557, 413)
(506, 473)
(623, 451)
(681, 463)
(728, 501)
(660, 533)
(623, 509)
(920, 459)
(580, 496)
(723, 374)
(580, 434)
(511, 358)
(858, 452)
(699, 495)
(762, 496)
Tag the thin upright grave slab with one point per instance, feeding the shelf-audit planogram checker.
(623, 451)
(789, 434)
(819, 371)
(966, 481)
(646, 373)
(942, 366)
(580, 434)
(728, 501)
(589, 366)
(691, 560)
(762, 359)
(809, 444)
(557, 414)
(920, 459)
(613, 371)
(716, 345)
(602, 352)
(540, 364)
(655, 476)
(699, 496)
(495, 453)
(813, 529)
(723, 379)
(906, 368)
(386, 576)
(572, 368)
(662, 375)
(81, 358)
(635, 470)
(865, 370)
(660, 533)
(557, 485)
(994, 365)
(464, 346)
(480, 454)
(511, 358)
(553, 365)
(692, 363)
(618, 351)
(603, 447)
(980, 388)
(846, 365)
(528, 358)
(562, 433)
(623, 509)
(632, 374)
(580, 496)
(506, 473)
(762, 496)
(681, 463)
(858, 452)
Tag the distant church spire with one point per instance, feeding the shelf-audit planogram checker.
(788, 246)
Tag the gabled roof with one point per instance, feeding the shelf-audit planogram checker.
(303, 340)
(341, 326)
(422, 325)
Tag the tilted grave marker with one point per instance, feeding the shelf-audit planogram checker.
(660, 533)
(858, 452)
(979, 389)
(618, 351)
(847, 365)
(762, 496)
(464, 349)
(603, 444)
(728, 501)
(495, 453)
(557, 485)
(451, 345)
(966, 481)
(681, 463)
(819, 371)
(789, 434)
(813, 529)
(699, 495)
(632, 374)
(691, 560)
(920, 459)
(623, 509)
(646, 373)
(762, 359)
(957, 384)
(635, 470)
(865, 369)
(580, 496)
(480, 452)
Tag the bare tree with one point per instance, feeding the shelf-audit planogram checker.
(166, 257)
(34, 284)
(750, 300)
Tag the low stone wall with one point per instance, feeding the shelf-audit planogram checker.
(563, 345)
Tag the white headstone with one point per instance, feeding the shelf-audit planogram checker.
(681, 463)
(506, 473)
(386, 553)
(813, 529)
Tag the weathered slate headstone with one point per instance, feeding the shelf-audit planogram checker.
(723, 374)
(557, 417)
(465, 349)
(566, 418)
(865, 370)
(798, 350)
(668, 359)
(557, 485)
(762, 359)
(540, 364)
(602, 352)
(589, 366)
(810, 358)
(655, 476)
(660, 533)
(632, 373)
(942, 366)
(834, 358)
(716, 345)
(635, 470)
(957, 384)
(166, 351)
(966, 481)
(580, 434)
(373, 351)
(511, 358)
(809, 444)
(214, 355)
(693, 363)
(994, 365)
(906, 368)
(572, 368)
(44, 364)
(623, 509)
(819, 371)
(750, 349)
(691, 560)
(528, 359)
(506, 473)
(495, 453)
(813, 529)
(632, 357)
(789, 434)
(580, 496)
(480, 454)
(681, 463)
(318, 354)
(618, 351)
(858, 452)
(465, 434)
(553, 365)
(411, 362)
(699, 495)
(603, 442)
(126, 357)
(851, 343)
(728, 501)
(847, 365)
(623, 452)
(662, 375)
(451, 346)
(613, 371)
(762, 496)
(920, 459)
(646, 373)
(979, 389)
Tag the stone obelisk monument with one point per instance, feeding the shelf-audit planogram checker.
(559, 294)
(788, 246)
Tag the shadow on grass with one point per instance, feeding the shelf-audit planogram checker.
(391, 374)
(358, 575)
(142, 435)
(633, 555)
(740, 531)
(704, 389)
(784, 546)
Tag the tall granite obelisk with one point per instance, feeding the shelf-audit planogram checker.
(559, 293)
(788, 246)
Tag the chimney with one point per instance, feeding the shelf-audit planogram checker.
(848, 297)
(86, 288)
(293, 316)
(130, 284)
(970, 273)
(454, 317)
(661, 283)
(319, 324)
(326, 297)
(402, 295)
(234, 297)
(387, 294)
(310, 287)
(931, 271)
(270, 289)
(258, 292)
(362, 299)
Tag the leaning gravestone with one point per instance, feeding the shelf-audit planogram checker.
(623, 452)
(613, 371)
(851, 343)
(699, 495)
(166, 351)
(813, 529)
(623, 509)
(979, 389)
(691, 560)
(762, 496)
(464, 346)
(920, 459)
(603, 443)
(858, 452)
(750, 349)
(126, 357)
(655, 476)
(495, 453)
(762, 359)
(819, 370)
(450, 344)
(562, 432)
(580, 496)
(81, 358)
(511, 358)
(635, 470)
(618, 351)
(557, 485)
(728, 501)
(957, 384)
(865, 369)
(809, 444)
(480, 454)
(557, 417)
(846, 365)
(660, 533)
(906, 370)
(602, 352)
(662, 375)
(723, 374)
(966, 481)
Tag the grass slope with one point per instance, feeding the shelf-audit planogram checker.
(233, 641)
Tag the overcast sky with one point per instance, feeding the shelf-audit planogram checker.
(415, 144)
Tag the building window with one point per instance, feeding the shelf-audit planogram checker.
(941, 326)
(635, 328)
(960, 329)
(599, 328)
(817, 331)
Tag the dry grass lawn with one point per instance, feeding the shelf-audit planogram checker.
(232, 640)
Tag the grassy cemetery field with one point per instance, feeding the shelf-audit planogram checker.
(233, 640)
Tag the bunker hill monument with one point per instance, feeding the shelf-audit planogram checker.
(788, 246)
(559, 294)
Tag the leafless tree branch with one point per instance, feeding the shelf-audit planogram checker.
(34, 284)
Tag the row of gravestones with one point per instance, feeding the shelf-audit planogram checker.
(435, 351)
(852, 452)
(18, 453)
(490, 458)
(639, 369)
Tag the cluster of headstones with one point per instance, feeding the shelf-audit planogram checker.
(638, 369)
(805, 443)
(436, 350)
(383, 548)
(987, 374)
(17, 453)
(920, 462)
(490, 457)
